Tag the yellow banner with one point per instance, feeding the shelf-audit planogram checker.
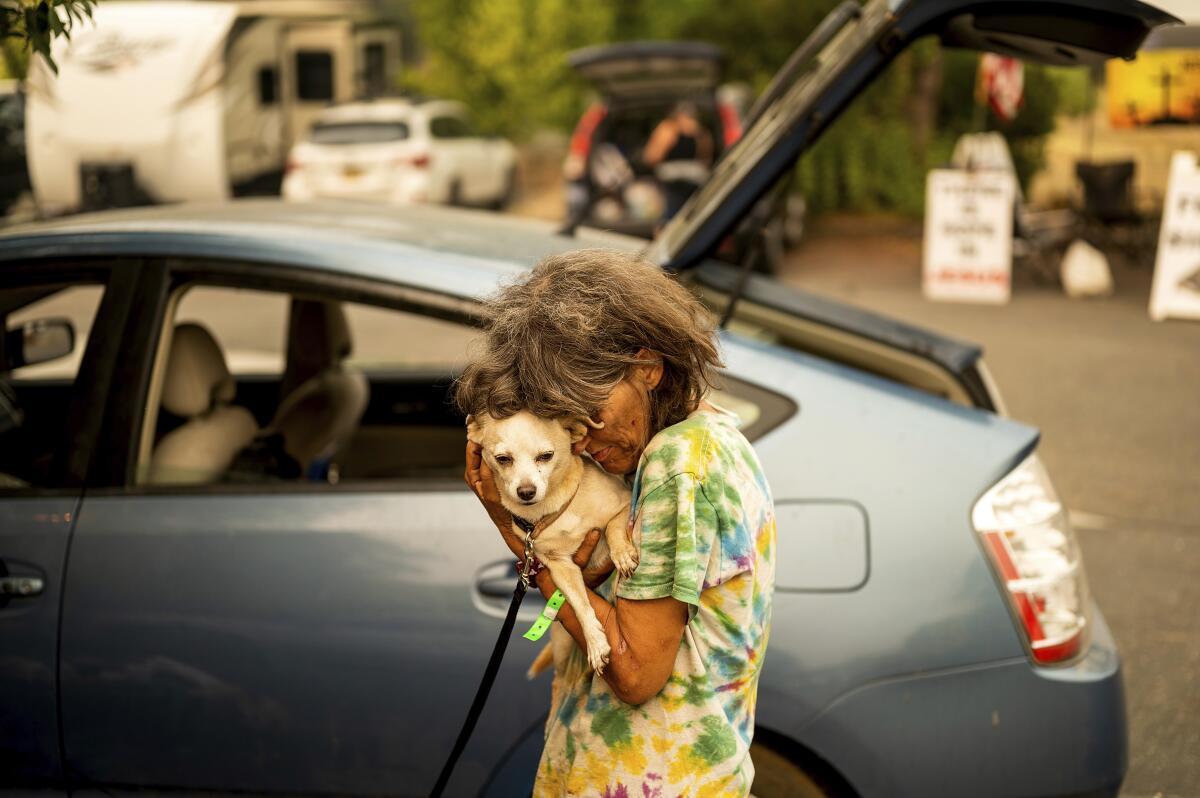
(1160, 86)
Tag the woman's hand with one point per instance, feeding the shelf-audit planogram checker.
(592, 577)
(482, 483)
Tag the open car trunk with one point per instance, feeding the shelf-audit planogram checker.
(636, 71)
(825, 74)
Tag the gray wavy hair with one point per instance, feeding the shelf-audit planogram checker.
(558, 341)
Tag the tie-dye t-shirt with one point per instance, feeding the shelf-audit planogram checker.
(708, 539)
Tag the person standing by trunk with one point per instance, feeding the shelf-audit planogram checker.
(680, 151)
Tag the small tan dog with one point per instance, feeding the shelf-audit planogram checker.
(542, 481)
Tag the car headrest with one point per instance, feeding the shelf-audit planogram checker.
(197, 377)
(322, 332)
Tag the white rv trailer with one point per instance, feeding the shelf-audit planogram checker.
(171, 101)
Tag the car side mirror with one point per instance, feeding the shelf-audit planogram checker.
(39, 341)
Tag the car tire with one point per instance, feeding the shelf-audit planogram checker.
(509, 193)
(454, 195)
(776, 776)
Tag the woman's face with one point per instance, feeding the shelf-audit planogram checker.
(618, 445)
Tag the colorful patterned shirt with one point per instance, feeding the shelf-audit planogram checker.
(708, 539)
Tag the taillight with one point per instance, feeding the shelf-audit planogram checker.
(730, 124)
(420, 160)
(292, 165)
(1032, 547)
(581, 141)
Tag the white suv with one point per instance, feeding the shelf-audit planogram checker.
(399, 151)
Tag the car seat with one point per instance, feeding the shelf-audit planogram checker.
(199, 388)
(318, 416)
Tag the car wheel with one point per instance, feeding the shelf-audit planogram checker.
(776, 776)
(454, 195)
(510, 190)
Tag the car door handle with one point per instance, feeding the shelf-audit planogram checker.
(493, 591)
(497, 581)
(20, 586)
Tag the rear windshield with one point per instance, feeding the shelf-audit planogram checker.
(357, 132)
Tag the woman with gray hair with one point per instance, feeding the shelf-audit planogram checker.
(603, 336)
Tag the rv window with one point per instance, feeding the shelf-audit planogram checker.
(268, 86)
(314, 75)
(374, 70)
(358, 132)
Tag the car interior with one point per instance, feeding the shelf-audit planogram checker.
(319, 413)
(253, 386)
(40, 349)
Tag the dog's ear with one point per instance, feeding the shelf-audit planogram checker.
(475, 427)
(575, 428)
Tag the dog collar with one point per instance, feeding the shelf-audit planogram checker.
(549, 613)
(524, 525)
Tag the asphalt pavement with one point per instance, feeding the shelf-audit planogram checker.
(1117, 398)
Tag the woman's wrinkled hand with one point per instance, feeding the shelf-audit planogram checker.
(592, 577)
(482, 483)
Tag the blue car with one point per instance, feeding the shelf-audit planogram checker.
(237, 556)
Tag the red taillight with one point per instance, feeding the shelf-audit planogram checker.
(730, 124)
(1032, 547)
(581, 139)
(292, 165)
(420, 160)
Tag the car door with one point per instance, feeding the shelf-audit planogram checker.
(51, 400)
(261, 634)
(453, 158)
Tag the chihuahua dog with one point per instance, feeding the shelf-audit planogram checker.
(564, 495)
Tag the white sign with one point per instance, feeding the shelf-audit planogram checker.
(968, 235)
(1176, 288)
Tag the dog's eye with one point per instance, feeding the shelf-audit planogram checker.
(503, 459)
(545, 457)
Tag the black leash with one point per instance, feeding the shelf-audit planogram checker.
(493, 667)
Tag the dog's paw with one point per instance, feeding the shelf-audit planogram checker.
(598, 654)
(625, 560)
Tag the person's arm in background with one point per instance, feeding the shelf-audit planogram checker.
(660, 143)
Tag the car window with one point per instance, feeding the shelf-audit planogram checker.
(322, 391)
(249, 326)
(78, 304)
(386, 340)
(34, 398)
(358, 132)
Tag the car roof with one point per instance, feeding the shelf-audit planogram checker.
(453, 251)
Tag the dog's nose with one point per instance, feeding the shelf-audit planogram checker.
(526, 492)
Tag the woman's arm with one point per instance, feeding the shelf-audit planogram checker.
(644, 636)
